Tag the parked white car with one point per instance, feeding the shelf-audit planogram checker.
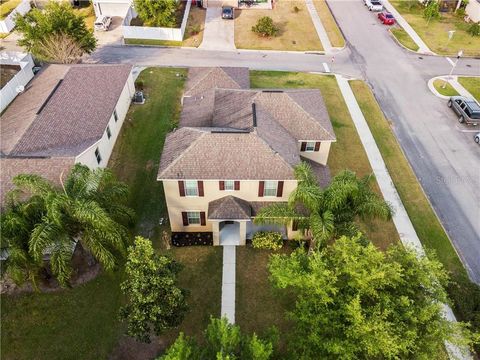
(476, 137)
(373, 5)
(103, 23)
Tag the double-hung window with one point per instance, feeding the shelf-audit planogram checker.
(115, 115)
(229, 185)
(310, 146)
(193, 217)
(191, 188)
(109, 133)
(270, 188)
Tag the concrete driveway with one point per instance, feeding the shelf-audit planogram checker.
(219, 34)
(442, 153)
(114, 34)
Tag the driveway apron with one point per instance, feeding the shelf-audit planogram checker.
(219, 33)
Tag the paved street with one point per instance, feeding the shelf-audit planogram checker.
(442, 152)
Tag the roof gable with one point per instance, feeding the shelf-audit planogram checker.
(229, 208)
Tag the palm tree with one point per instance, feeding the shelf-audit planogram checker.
(323, 214)
(89, 209)
(17, 222)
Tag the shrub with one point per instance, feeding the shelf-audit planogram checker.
(474, 29)
(194, 29)
(265, 27)
(159, 13)
(267, 240)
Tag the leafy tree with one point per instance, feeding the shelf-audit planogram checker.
(58, 18)
(322, 214)
(89, 208)
(222, 341)
(431, 11)
(159, 13)
(61, 47)
(355, 302)
(155, 302)
(265, 27)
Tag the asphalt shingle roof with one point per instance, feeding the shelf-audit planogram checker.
(75, 110)
(229, 208)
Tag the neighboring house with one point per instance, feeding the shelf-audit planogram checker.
(66, 115)
(473, 10)
(7, 20)
(16, 70)
(236, 150)
(111, 7)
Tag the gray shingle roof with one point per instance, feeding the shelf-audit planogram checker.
(76, 114)
(193, 153)
(200, 88)
(229, 208)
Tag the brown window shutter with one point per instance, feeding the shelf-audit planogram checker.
(294, 225)
(202, 218)
(181, 188)
(185, 218)
(280, 189)
(317, 146)
(261, 186)
(200, 188)
(303, 147)
(221, 185)
(237, 185)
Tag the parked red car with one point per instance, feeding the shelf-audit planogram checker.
(386, 18)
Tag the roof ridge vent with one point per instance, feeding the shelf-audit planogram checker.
(254, 114)
(49, 97)
(272, 91)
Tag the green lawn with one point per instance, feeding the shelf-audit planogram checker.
(347, 152)
(404, 39)
(466, 295)
(435, 33)
(6, 7)
(447, 91)
(81, 323)
(472, 84)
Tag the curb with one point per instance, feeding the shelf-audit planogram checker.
(433, 90)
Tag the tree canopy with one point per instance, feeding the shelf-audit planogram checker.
(223, 341)
(159, 13)
(154, 301)
(326, 213)
(89, 208)
(354, 301)
(55, 27)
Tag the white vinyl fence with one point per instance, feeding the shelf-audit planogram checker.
(7, 24)
(17, 84)
(154, 33)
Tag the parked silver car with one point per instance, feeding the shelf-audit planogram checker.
(476, 137)
(468, 110)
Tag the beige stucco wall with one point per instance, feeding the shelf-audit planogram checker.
(320, 156)
(176, 203)
(105, 145)
(473, 10)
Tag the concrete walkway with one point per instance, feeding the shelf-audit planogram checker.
(219, 34)
(228, 283)
(322, 33)
(422, 47)
(459, 88)
(407, 233)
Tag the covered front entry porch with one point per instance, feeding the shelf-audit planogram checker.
(229, 232)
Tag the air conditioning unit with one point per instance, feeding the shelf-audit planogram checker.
(138, 98)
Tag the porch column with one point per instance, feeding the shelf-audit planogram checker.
(216, 233)
(243, 232)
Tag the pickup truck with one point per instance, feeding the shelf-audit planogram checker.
(373, 5)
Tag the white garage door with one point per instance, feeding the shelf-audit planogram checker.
(111, 9)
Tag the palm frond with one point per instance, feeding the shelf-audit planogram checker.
(44, 236)
(310, 196)
(321, 226)
(60, 259)
(373, 206)
(280, 213)
(304, 174)
(34, 184)
(93, 242)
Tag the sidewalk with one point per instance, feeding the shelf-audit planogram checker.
(322, 34)
(228, 283)
(219, 34)
(405, 229)
(422, 47)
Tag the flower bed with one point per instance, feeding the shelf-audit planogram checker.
(192, 238)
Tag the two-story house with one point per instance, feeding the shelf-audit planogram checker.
(240, 156)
